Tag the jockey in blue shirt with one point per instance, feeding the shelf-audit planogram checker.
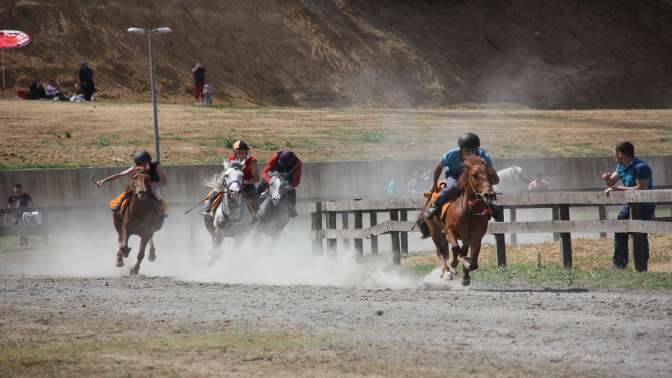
(469, 144)
(635, 174)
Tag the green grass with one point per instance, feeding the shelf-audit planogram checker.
(556, 275)
(7, 243)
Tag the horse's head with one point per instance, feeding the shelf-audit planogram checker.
(474, 179)
(233, 178)
(141, 184)
(277, 187)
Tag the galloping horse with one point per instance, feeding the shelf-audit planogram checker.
(465, 218)
(232, 212)
(142, 216)
(273, 212)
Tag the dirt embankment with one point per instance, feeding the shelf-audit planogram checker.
(364, 53)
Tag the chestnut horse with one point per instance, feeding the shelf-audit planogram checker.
(142, 216)
(465, 219)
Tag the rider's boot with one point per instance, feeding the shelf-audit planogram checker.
(291, 196)
(438, 203)
(208, 203)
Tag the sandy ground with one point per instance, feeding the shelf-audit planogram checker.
(46, 134)
(150, 326)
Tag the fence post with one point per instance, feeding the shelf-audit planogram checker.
(373, 220)
(396, 249)
(346, 224)
(555, 216)
(637, 240)
(500, 240)
(404, 235)
(331, 224)
(316, 227)
(602, 214)
(359, 243)
(45, 226)
(565, 239)
(512, 216)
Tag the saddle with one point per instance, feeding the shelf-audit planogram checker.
(121, 202)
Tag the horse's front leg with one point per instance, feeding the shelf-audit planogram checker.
(123, 247)
(216, 249)
(141, 254)
(455, 249)
(471, 263)
(152, 250)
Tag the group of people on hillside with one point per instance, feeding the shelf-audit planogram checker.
(83, 90)
(203, 89)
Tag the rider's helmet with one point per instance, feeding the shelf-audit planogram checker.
(469, 140)
(241, 145)
(286, 159)
(142, 157)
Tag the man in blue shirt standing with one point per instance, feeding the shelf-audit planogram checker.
(469, 144)
(635, 174)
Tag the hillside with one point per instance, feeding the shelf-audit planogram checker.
(387, 53)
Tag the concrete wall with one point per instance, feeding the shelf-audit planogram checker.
(350, 179)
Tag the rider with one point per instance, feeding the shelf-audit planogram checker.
(288, 163)
(241, 154)
(142, 161)
(469, 144)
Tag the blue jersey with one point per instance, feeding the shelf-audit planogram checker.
(453, 163)
(636, 170)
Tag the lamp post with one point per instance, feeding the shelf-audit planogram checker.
(149, 33)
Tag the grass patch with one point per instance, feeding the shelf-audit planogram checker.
(371, 137)
(7, 243)
(104, 141)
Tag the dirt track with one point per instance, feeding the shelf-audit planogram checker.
(158, 326)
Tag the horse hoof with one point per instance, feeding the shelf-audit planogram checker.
(450, 276)
(125, 251)
(151, 257)
(466, 281)
(120, 263)
(134, 272)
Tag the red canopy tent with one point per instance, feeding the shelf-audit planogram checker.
(11, 39)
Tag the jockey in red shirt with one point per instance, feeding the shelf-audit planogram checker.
(284, 162)
(241, 154)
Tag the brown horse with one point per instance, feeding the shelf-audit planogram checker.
(465, 218)
(142, 216)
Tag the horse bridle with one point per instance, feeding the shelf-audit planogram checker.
(480, 198)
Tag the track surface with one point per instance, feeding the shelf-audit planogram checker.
(483, 330)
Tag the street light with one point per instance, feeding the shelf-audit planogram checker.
(149, 33)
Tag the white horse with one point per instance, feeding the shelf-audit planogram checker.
(233, 216)
(273, 213)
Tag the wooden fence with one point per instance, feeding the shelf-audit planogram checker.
(324, 216)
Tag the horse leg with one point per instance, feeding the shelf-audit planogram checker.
(215, 250)
(449, 270)
(141, 254)
(123, 247)
(152, 250)
(471, 263)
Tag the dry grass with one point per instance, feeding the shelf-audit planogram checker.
(588, 254)
(46, 134)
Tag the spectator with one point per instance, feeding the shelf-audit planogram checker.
(36, 91)
(79, 95)
(635, 175)
(199, 81)
(54, 91)
(539, 184)
(86, 81)
(512, 178)
(18, 200)
(392, 186)
(416, 184)
(207, 93)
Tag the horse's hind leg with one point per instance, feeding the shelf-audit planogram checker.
(141, 255)
(152, 250)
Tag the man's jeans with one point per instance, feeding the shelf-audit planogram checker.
(641, 258)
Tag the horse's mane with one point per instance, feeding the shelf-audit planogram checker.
(216, 181)
(469, 163)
